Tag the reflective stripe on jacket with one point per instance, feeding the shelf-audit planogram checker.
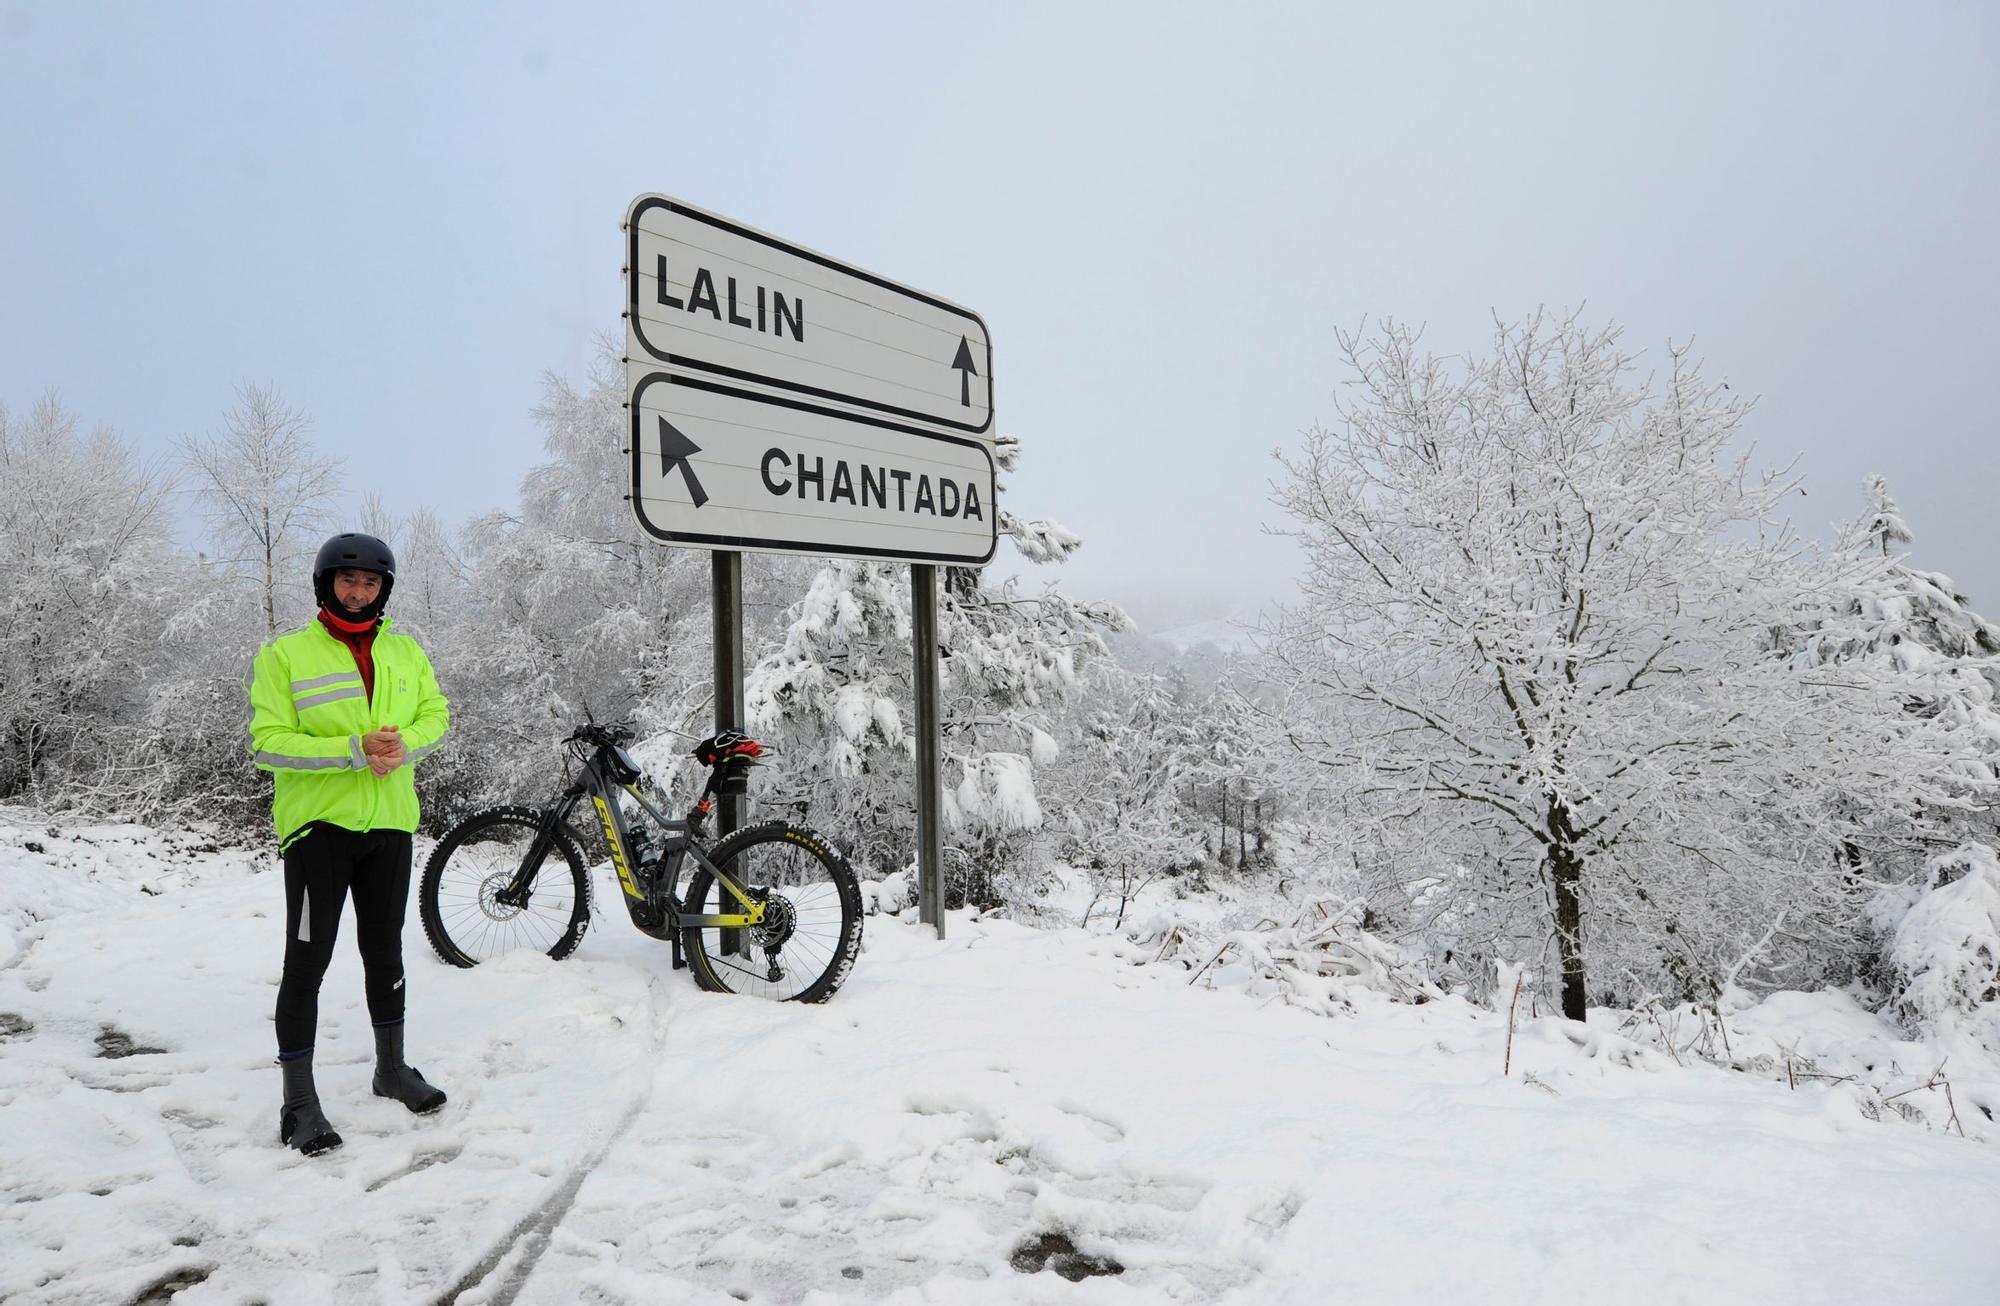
(308, 712)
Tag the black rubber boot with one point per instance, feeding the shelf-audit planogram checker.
(403, 1082)
(301, 1123)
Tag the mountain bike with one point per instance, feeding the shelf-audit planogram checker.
(772, 910)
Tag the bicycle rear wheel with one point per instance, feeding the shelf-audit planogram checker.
(477, 858)
(812, 916)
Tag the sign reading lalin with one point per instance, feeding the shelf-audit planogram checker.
(784, 402)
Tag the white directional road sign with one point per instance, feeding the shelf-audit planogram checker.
(785, 402)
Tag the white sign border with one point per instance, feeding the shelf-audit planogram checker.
(637, 330)
(802, 548)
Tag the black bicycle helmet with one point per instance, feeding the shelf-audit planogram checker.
(362, 553)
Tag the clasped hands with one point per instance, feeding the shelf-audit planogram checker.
(384, 749)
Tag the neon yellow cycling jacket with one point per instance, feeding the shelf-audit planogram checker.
(308, 712)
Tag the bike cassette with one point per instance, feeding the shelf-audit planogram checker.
(781, 921)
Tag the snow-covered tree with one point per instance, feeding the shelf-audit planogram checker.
(1937, 914)
(1883, 523)
(184, 754)
(1897, 618)
(571, 611)
(1126, 778)
(1533, 647)
(432, 578)
(566, 599)
(87, 575)
(267, 495)
(835, 701)
(837, 696)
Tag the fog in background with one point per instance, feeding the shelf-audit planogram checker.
(1163, 212)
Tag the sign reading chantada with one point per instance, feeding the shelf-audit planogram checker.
(784, 402)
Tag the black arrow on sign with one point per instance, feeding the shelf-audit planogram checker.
(966, 371)
(675, 450)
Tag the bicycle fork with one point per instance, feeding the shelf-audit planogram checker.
(519, 889)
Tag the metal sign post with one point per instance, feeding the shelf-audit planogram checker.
(726, 608)
(930, 838)
(726, 612)
(782, 401)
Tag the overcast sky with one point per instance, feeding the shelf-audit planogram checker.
(402, 216)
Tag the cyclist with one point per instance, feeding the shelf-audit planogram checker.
(341, 711)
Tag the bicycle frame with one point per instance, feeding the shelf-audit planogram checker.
(597, 784)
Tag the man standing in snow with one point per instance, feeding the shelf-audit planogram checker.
(341, 711)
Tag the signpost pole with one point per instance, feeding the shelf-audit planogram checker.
(726, 608)
(930, 843)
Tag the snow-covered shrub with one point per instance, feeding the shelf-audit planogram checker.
(1318, 958)
(1943, 947)
(1137, 755)
(996, 790)
(894, 892)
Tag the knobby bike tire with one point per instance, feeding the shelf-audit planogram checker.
(478, 856)
(821, 909)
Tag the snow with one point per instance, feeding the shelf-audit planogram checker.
(616, 1136)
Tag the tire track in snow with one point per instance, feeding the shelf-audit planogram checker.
(530, 1234)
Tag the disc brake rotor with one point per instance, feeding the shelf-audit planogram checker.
(489, 897)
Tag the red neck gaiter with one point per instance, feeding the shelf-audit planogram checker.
(358, 636)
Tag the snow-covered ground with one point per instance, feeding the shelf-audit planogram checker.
(960, 1115)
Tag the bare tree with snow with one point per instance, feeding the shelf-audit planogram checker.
(266, 493)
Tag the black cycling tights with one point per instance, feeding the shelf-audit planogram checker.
(321, 866)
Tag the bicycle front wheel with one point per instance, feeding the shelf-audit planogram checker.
(465, 915)
(812, 917)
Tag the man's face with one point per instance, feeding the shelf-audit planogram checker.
(355, 589)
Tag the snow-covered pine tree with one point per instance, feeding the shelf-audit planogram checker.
(1883, 523)
(1937, 914)
(836, 697)
(832, 700)
(1915, 624)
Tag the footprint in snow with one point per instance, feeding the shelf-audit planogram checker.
(114, 1042)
